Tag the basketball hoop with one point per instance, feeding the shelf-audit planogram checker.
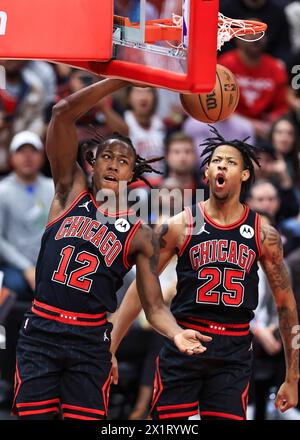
(234, 28)
(171, 29)
(229, 28)
(177, 52)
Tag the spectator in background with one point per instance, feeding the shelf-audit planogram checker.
(268, 199)
(181, 160)
(263, 197)
(170, 110)
(62, 73)
(276, 205)
(46, 74)
(263, 84)
(146, 129)
(268, 11)
(103, 117)
(181, 174)
(25, 198)
(284, 139)
(4, 130)
(22, 104)
(292, 11)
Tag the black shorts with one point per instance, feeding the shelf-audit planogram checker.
(62, 370)
(217, 388)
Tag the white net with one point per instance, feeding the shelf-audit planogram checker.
(233, 28)
(229, 28)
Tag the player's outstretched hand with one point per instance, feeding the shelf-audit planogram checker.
(189, 342)
(114, 372)
(287, 396)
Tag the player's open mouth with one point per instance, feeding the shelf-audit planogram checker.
(110, 179)
(220, 181)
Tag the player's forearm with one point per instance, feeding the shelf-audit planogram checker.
(124, 316)
(288, 319)
(163, 321)
(77, 104)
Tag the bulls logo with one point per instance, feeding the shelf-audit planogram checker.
(246, 231)
(229, 87)
(122, 225)
(3, 20)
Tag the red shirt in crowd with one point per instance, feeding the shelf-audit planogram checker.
(263, 87)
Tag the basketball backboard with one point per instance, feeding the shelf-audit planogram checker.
(167, 43)
(177, 50)
(164, 43)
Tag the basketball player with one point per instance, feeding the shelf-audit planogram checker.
(216, 294)
(63, 353)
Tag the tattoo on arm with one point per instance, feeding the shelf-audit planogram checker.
(162, 231)
(154, 258)
(150, 248)
(279, 280)
(277, 272)
(287, 320)
(263, 233)
(274, 238)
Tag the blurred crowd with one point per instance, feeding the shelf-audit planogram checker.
(268, 73)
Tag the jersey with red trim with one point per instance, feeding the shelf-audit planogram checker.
(83, 258)
(217, 269)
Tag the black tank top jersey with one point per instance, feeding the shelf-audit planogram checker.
(83, 258)
(217, 269)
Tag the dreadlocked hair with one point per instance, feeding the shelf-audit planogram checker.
(248, 152)
(141, 165)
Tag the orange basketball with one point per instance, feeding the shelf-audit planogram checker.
(217, 105)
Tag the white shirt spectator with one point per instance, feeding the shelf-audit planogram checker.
(148, 142)
(47, 77)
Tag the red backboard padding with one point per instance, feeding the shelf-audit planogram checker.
(202, 57)
(56, 29)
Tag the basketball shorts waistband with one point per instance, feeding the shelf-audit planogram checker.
(66, 317)
(217, 328)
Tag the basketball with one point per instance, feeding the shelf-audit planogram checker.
(217, 105)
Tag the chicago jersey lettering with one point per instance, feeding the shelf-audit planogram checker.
(217, 270)
(83, 260)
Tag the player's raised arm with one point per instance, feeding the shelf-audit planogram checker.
(61, 143)
(278, 277)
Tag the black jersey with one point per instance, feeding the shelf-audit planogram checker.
(217, 269)
(83, 258)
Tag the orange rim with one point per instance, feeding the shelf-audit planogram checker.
(165, 29)
(243, 27)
